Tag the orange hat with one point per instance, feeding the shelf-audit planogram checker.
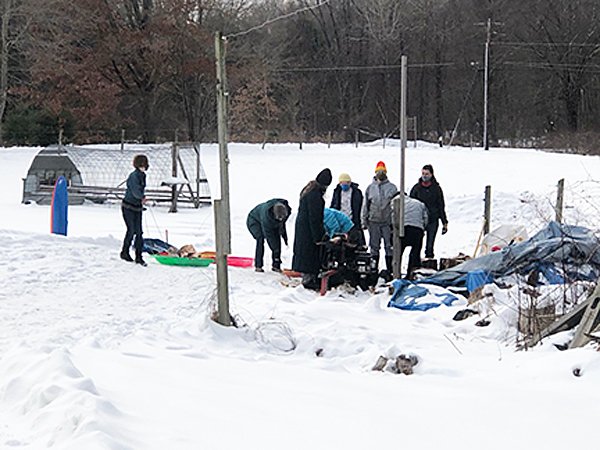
(380, 167)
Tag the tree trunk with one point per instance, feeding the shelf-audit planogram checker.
(571, 97)
(439, 99)
(6, 12)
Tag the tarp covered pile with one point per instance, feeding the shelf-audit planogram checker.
(555, 255)
(561, 253)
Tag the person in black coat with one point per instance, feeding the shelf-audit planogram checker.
(267, 221)
(429, 191)
(132, 207)
(348, 198)
(310, 230)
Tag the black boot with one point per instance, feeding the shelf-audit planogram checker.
(125, 256)
(276, 267)
(139, 260)
(389, 263)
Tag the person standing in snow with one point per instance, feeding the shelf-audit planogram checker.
(377, 214)
(310, 230)
(348, 198)
(267, 221)
(132, 207)
(416, 219)
(429, 191)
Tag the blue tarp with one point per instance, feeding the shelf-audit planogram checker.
(559, 252)
(477, 278)
(410, 296)
(155, 246)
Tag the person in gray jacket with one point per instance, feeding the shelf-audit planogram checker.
(416, 219)
(377, 214)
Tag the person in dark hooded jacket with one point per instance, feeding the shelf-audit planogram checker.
(310, 230)
(267, 221)
(429, 191)
(348, 198)
(132, 207)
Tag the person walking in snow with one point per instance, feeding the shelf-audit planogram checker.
(310, 230)
(416, 219)
(429, 191)
(377, 214)
(132, 207)
(267, 221)
(348, 198)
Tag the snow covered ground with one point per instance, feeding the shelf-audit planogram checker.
(96, 353)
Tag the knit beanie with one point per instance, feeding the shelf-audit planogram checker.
(428, 167)
(344, 178)
(324, 178)
(380, 166)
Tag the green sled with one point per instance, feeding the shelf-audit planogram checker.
(178, 261)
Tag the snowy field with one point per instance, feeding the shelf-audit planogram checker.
(96, 353)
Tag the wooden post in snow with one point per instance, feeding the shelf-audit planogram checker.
(398, 228)
(487, 212)
(174, 157)
(559, 200)
(222, 210)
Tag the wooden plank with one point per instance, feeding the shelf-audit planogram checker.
(566, 322)
(588, 321)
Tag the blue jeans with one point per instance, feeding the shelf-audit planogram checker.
(133, 221)
(377, 233)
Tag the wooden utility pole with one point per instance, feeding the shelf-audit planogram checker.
(415, 130)
(487, 212)
(486, 75)
(399, 201)
(560, 195)
(221, 208)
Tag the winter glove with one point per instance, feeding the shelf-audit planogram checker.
(444, 228)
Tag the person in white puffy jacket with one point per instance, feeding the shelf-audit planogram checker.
(416, 218)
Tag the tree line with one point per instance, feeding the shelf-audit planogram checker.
(96, 67)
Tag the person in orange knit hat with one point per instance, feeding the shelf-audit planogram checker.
(377, 214)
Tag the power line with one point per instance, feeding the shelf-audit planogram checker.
(358, 68)
(548, 44)
(547, 65)
(590, 69)
(277, 19)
